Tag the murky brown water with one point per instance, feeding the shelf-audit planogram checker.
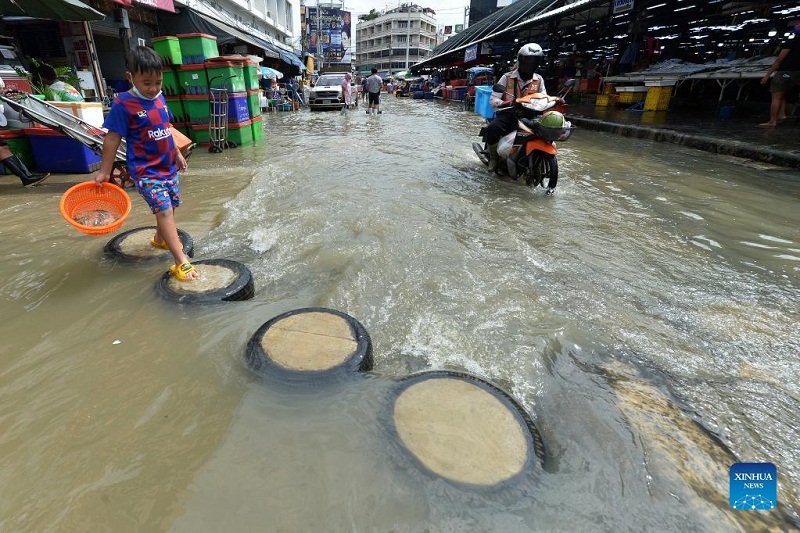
(646, 316)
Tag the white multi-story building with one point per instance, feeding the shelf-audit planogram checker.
(396, 39)
(272, 20)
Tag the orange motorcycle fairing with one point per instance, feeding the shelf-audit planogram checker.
(538, 144)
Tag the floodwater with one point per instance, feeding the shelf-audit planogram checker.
(646, 316)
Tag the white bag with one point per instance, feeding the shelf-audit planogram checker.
(505, 144)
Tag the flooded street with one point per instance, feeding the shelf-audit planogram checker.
(646, 316)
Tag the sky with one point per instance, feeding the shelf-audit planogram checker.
(448, 12)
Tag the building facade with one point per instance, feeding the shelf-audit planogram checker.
(273, 20)
(396, 39)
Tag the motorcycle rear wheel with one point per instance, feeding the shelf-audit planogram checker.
(542, 170)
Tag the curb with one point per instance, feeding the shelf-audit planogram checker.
(700, 142)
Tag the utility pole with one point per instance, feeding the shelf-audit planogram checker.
(319, 37)
(408, 33)
(466, 17)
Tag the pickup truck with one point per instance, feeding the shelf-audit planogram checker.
(327, 92)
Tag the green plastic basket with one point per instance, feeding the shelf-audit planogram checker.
(193, 79)
(197, 47)
(200, 134)
(240, 133)
(253, 103)
(257, 125)
(175, 104)
(226, 75)
(170, 85)
(169, 49)
(196, 108)
(251, 75)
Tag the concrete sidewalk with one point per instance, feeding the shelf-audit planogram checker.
(738, 136)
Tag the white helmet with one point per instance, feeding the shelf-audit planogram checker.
(530, 49)
(529, 58)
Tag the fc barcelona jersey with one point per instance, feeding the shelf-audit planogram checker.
(144, 124)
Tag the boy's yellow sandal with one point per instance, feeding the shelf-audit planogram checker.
(181, 271)
(162, 244)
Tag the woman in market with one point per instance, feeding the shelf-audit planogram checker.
(13, 162)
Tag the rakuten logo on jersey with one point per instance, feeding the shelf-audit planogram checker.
(159, 134)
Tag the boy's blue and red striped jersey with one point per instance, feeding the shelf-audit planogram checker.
(145, 126)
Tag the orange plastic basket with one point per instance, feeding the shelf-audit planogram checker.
(105, 206)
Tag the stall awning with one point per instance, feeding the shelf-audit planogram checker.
(230, 30)
(511, 18)
(163, 5)
(270, 50)
(72, 10)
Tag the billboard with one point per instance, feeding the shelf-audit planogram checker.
(331, 27)
(622, 5)
(471, 53)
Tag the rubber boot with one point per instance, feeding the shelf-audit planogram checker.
(28, 178)
(492, 157)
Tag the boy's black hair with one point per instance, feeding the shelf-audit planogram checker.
(144, 60)
(374, 71)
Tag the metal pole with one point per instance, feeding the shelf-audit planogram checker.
(93, 61)
(319, 36)
(408, 34)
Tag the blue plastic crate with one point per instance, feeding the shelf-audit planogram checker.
(54, 152)
(482, 106)
(458, 93)
(238, 110)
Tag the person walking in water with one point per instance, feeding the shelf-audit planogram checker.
(374, 84)
(364, 89)
(787, 74)
(347, 92)
(142, 117)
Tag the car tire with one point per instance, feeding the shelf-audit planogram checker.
(310, 344)
(478, 421)
(133, 246)
(236, 283)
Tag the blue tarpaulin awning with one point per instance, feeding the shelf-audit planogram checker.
(271, 73)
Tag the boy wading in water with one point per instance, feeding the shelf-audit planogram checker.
(141, 116)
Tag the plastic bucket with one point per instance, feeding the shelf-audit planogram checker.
(483, 107)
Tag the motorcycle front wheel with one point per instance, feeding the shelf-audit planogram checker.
(542, 170)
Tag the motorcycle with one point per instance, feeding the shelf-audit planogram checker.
(530, 152)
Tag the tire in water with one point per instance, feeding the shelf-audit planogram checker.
(543, 170)
(309, 344)
(221, 280)
(133, 246)
(464, 429)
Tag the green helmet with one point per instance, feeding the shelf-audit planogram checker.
(552, 119)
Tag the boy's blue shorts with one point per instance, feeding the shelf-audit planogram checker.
(160, 195)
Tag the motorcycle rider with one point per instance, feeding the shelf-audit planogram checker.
(517, 83)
